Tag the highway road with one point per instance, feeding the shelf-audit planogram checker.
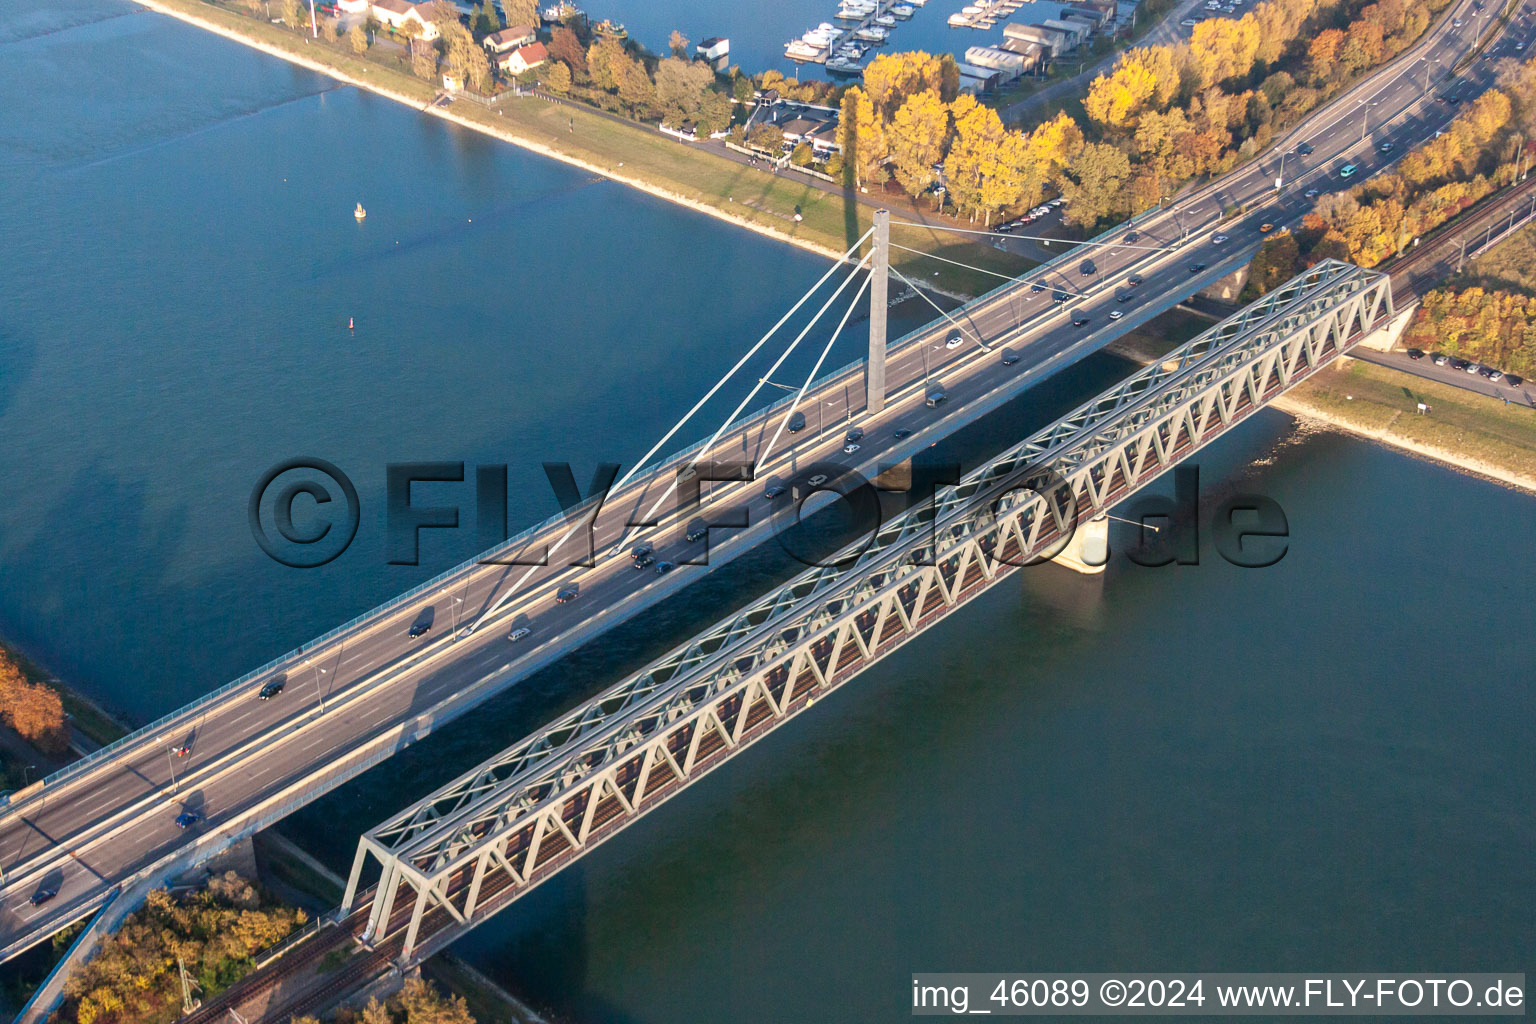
(251, 761)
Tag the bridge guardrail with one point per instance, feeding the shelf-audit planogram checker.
(292, 658)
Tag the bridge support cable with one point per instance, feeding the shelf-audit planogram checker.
(576, 525)
(942, 312)
(879, 306)
(485, 839)
(810, 377)
(761, 383)
(980, 270)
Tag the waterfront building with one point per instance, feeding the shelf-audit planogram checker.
(525, 58)
(511, 38)
(396, 14)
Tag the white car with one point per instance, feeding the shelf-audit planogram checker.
(954, 339)
(850, 448)
(817, 480)
(1115, 314)
(1219, 239)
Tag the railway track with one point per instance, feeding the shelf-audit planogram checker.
(1406, 282)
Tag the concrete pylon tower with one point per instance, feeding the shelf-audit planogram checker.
(879, 274)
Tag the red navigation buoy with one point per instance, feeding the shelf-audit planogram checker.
(349, 323)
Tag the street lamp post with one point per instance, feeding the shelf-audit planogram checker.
(170, 759)
(319, 690)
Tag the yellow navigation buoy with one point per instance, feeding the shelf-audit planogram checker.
(359, 213)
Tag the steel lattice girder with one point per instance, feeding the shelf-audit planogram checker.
(525, 813)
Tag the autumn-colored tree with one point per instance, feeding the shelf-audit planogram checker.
(558, 78)
(680, 87)
(32, 709)
(1142, 79)
(862, 137)
(892, 78)
(1095, 184)
(678, 44)
(357, 38)
(463, 58)
(978, 134)
(918, 134)
(564, 45)
(521, 13)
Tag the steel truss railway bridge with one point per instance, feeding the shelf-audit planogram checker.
(459, 855)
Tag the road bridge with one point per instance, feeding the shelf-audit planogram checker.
(363, 691)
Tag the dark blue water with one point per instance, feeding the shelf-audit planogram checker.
(1324, 765)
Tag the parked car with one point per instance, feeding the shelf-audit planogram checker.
(271, 690)
(1496, 375)
(1415, 353)
(1513, 381)
(1460, 364)
(1473, 369)
(1439, 360)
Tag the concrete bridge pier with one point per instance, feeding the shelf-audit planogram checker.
(1088, 550)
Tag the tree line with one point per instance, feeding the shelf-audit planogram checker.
(1493, 327)
(134, 977)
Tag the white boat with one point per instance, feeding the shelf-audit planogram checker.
(959, 21)
(799, 49)
(885, 21)
(845, 67)
(902, 11)
(872, 34)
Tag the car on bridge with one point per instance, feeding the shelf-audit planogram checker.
(644, 561)
(1195, 268)
(1133, 236)
(902, 432)
(271, 690)
(1304, 149)
(954, 338)
(1348, 171)
(42, 896)
(566, 595)
(1311, 193)
(1088, 267)
(662, 568)
(420, 629)
(850, 448)
(1036, 286)
(796, 423)
(855, 434)
(1133, 280)
(1116, 314)
(183, 750)
(1124, 296)
(1010, 357)
(1266, 228)
(518, 633)
(817, 480)
(1080, 319)
(1220, 239)
(1387, 147)
(1060, 297)
(935, 397)
(186, 819)
(773, 491)
(697, 532)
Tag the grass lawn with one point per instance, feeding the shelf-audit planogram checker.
(1376, 398)
(1509, 266)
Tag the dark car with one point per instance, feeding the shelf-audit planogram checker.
(644, 560)
(271, 690)
(773, 491)
(796, 422)
(1133, 280)
(1010, 357)
(1195, 268)
(186, 819)
(1415, 353)
(696, 533)
(1060, 297)
(902, 432)
(1133, 236)
(1513, 380)
(1088, 267)
(662, 568)
(1305, 149)
(420, 629)
(566, 594)
(640, 550)
(1036, 286)
(1079, 320)
(43, 896)
(1124, 296)
(856, 434)
(1459, 364)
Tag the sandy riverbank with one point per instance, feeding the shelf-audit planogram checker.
(1459, 461)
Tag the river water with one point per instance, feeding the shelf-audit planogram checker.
(1323, 765)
